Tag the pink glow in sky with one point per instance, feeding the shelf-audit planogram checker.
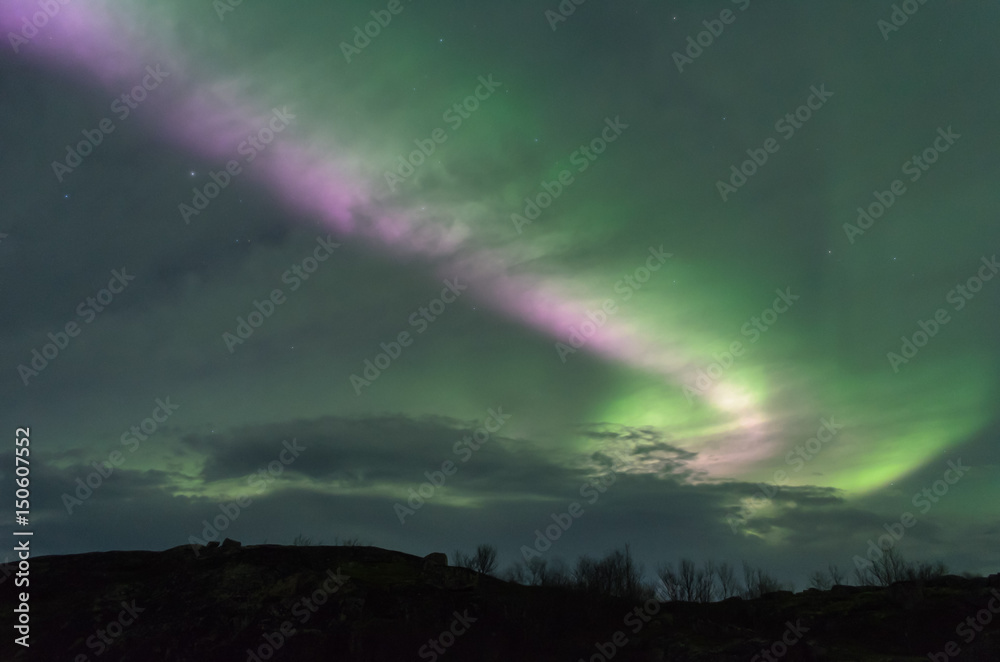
(210, 119)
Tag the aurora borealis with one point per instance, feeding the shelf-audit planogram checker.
(723, 274)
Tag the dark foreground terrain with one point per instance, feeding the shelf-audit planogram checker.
(271, 602)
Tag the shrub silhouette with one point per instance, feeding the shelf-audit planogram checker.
(484, 559)
(616, 575)
(890, 567)
(689, 583)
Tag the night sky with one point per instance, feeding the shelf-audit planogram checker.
(737, 299)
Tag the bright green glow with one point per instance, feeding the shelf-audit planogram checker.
(884, 439)
(824, 358)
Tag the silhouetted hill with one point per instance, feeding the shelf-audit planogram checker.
(374, 605)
